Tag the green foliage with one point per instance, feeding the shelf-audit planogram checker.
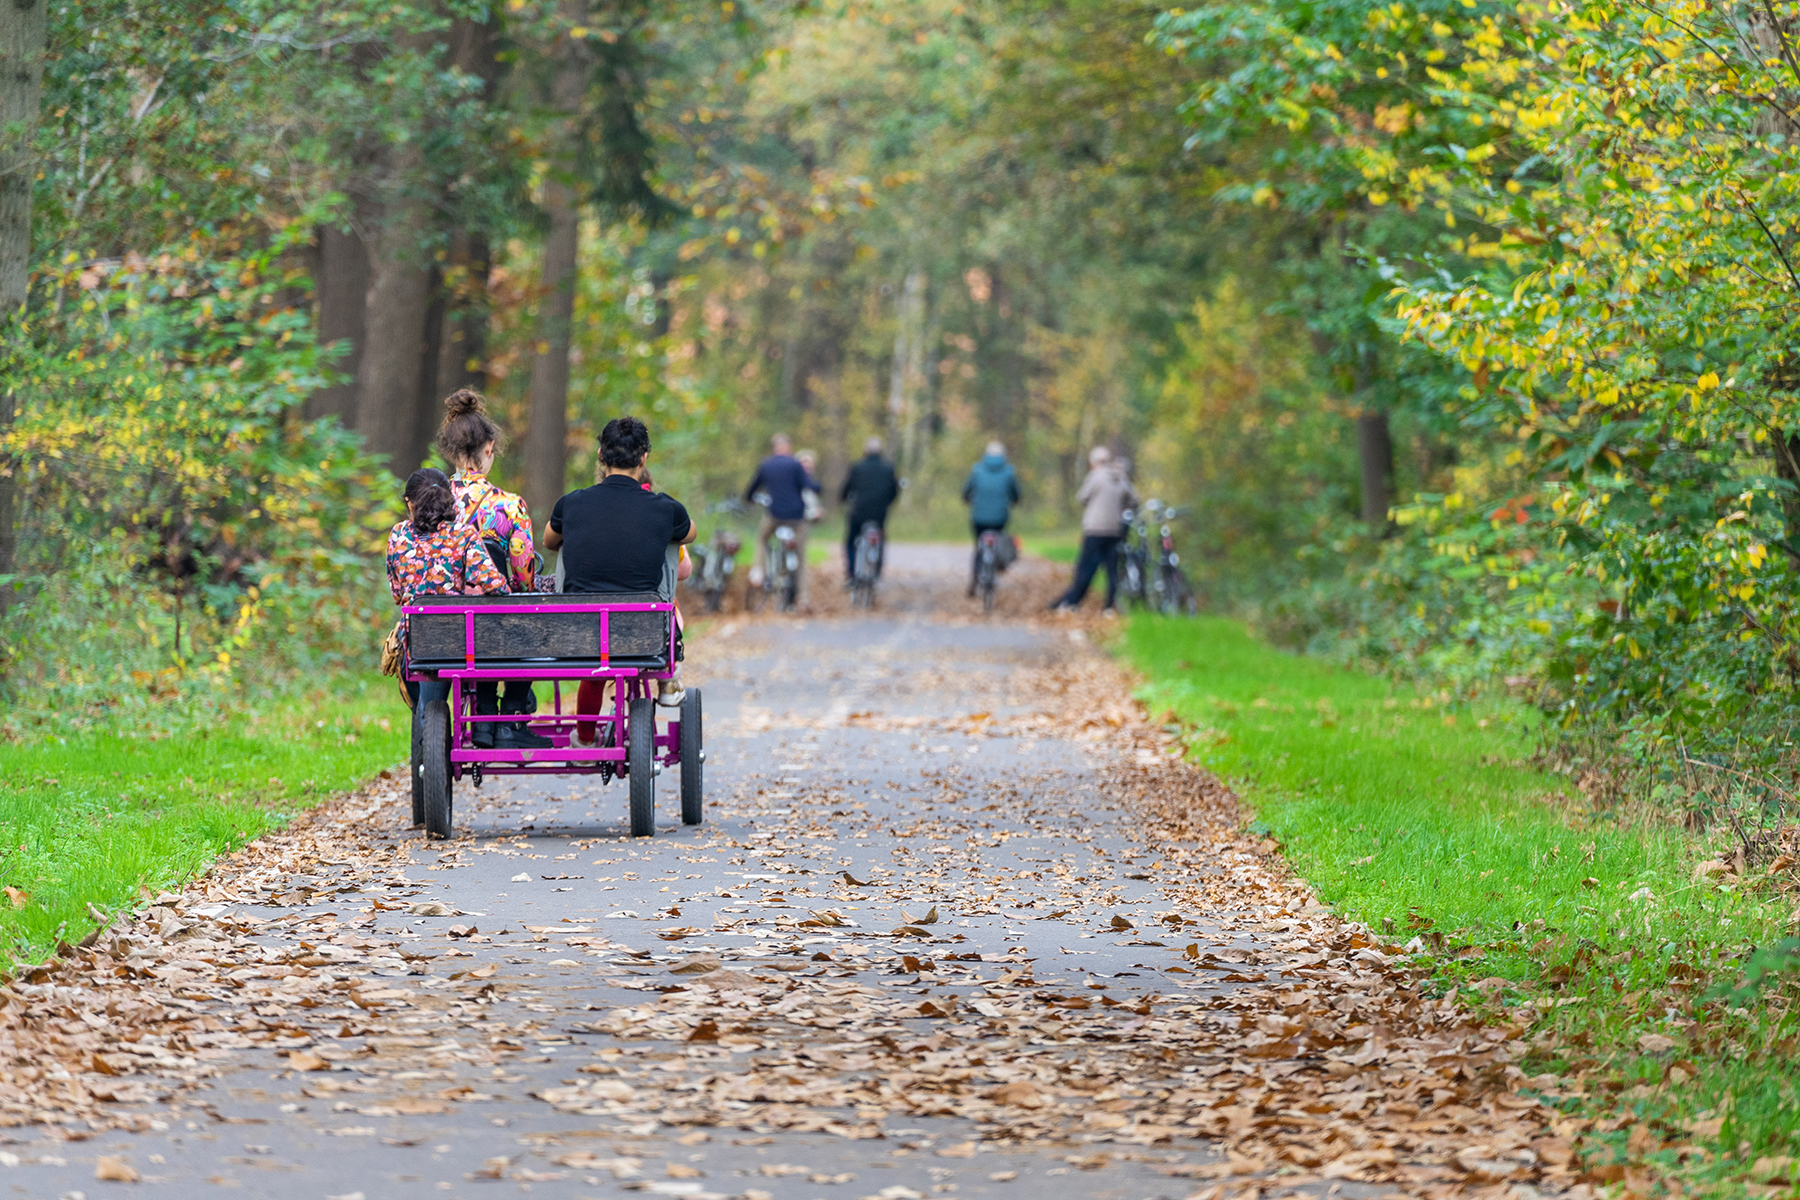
(172, 499)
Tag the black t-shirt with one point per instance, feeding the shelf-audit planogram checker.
(616, 536)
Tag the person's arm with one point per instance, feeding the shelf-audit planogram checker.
(553, 538)
(1012, 488)
(393, 567)
(849, 483)
(1086, 491)
(521, 557)
(756, 481)
(685, 529)
(968, 487)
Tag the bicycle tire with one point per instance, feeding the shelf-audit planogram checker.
(435, 750)
(693, 760)
(418, 767)
(640, 763)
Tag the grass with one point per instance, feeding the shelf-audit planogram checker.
(102, 817)
(1592, 936)
(1057, 547)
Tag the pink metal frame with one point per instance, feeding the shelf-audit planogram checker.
(630, 683)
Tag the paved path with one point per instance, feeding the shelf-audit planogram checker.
(913, 951)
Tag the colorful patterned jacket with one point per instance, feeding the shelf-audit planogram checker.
(446, 563)
(502, 516)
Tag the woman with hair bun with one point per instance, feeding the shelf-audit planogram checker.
(469, 439)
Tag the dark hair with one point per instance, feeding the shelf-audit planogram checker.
(467, 429)
(433, 503)
(623, 443)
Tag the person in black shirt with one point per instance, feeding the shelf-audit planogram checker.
(615, 537)
(870, 490)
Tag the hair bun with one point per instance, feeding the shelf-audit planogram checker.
(465, 400)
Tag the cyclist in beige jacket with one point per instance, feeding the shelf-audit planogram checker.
(1105, 495)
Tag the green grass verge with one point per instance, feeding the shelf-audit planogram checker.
(100, 817)
(1422, 817)
(1057, 547)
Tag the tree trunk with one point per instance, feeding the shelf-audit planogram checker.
(341, 288)
(1787, 469)
(387, 393)
(21, 84)
(1375, 451)
(547, 438)
(465, 319)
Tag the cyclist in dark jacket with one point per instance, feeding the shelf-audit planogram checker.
(782, 479)
(991, 491)
(869, 491)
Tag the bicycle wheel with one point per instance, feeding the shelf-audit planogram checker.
(435, 775)
(693, 759)
(418, 766)
(640, 761)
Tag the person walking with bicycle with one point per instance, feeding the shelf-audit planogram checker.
(1104, 496)
(869, 491)
(784, 482)
(990, 492)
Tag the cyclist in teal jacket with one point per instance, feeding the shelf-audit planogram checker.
(991, 491)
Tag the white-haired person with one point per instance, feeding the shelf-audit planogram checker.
(1105, 495)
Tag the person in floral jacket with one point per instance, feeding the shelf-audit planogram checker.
(432, 554)
(469, 439)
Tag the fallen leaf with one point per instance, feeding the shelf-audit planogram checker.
(700, 964)
(1120, 923)
(521, 877)
(929, 918)
(306, 1060)
(431, 908)
(1655, 1043)
(115, 1170)
(19, 898)
(1021, 1094)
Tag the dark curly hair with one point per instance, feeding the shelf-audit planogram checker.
(467, 429)
(433, 503)
(623, 443)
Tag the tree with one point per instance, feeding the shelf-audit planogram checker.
(22, 26)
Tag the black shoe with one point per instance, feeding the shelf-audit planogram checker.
(483, 737)
(517, 736)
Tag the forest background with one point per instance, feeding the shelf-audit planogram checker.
(1463, 327)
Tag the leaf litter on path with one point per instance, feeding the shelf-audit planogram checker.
(1300, 1044)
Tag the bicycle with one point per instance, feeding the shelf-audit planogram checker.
(715, 561)
(867, 567)
(1174, 595)
(1134, 559)
(781, 582)
(987, 567)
